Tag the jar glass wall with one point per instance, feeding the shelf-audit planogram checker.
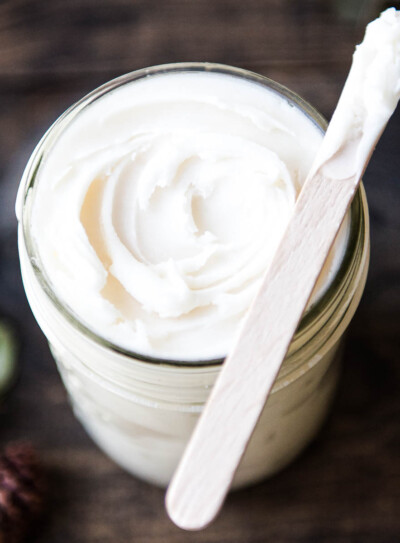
(141, 410)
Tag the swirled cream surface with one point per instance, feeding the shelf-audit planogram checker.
(159, 207)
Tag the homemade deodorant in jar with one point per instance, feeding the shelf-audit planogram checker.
(148, 214)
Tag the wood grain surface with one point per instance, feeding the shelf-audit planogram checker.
(346, 486)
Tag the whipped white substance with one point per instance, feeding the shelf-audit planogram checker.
(159, 208)
(368, 99)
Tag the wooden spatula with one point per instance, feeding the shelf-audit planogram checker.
(208, 465)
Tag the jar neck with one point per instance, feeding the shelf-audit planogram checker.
(311, 333)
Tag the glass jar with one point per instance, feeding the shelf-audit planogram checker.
(141, 410)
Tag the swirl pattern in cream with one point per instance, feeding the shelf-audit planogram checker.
(159, 208)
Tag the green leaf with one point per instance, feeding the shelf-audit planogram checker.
(8, 353)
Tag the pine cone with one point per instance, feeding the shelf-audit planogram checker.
(21, 492)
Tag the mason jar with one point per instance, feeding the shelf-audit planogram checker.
(141, 410)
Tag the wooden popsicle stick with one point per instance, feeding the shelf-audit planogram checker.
(206, 470)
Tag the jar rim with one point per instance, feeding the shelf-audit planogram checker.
(33, 166)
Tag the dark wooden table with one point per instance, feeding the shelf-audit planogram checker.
(346, 486)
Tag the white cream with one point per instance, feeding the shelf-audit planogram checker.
(369, 97)
(159, 208)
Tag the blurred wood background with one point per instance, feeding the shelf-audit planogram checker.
(346, 486)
